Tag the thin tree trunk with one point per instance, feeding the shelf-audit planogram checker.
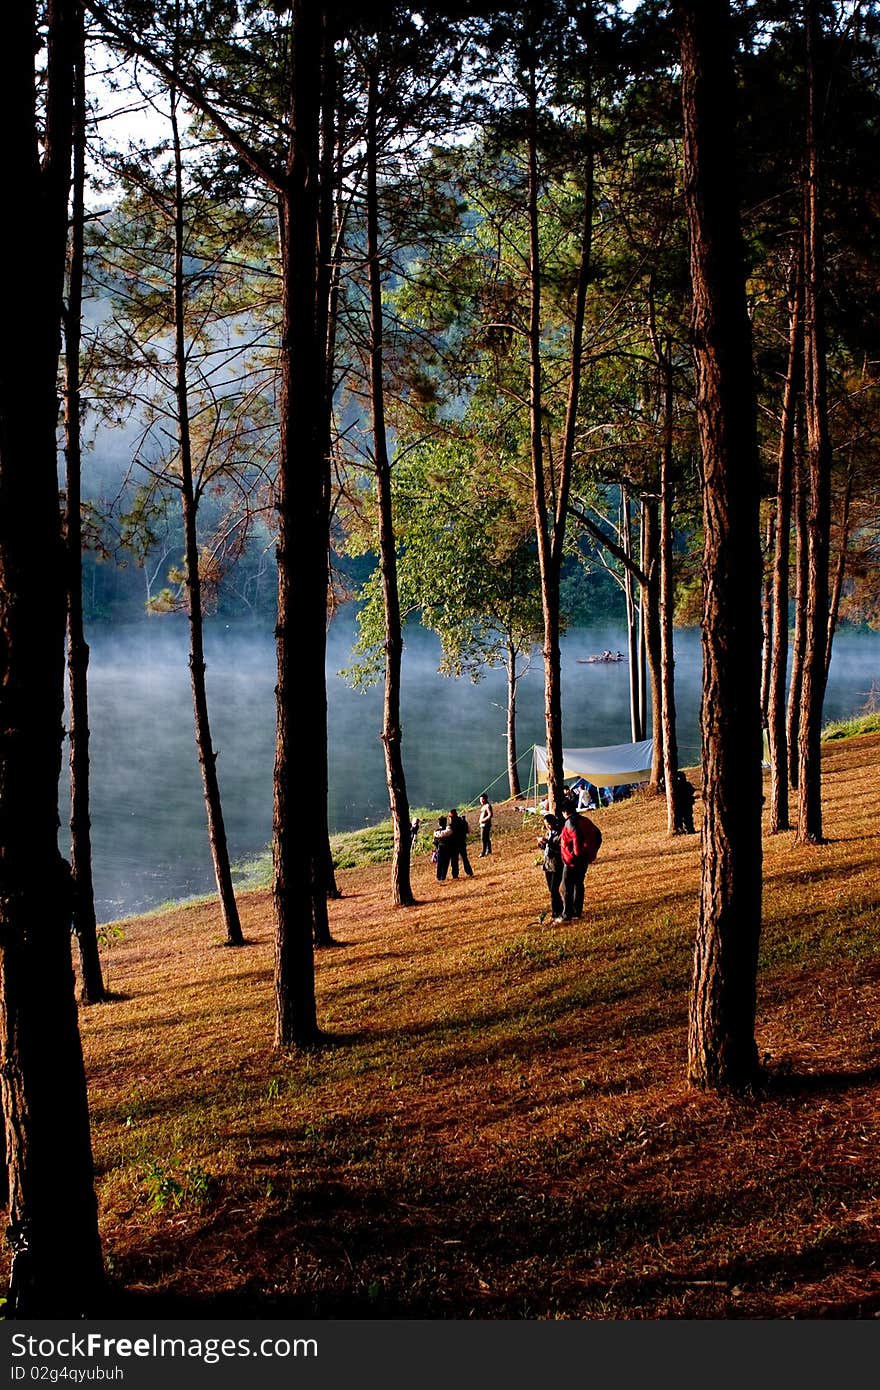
(839, 569)
(551, 528)
(190, 502)
(302, 503)
(632, 626)
(667, 605)
(548, 566)
(56, 1265)
(795, 683)
(512, 680)
(767, 616)
(809, 829)
(652, 646)
(85, 927)
(401, 889)
(721, 1043)
(776, 712)
(326, 308)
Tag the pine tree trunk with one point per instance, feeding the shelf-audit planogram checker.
(512, 679)
(721, 1043)
(85, 927)
(669, 738)
(809, 829)
(839, 569)
(302, 503)
(329, 270)
(401, 889)
(653, 638)
(795, 681)
(776, 712)
(549, 570)
(207, 756)
(56, 1268)
(632, 623)
(767, 617)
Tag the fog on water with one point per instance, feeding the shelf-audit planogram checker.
(148, 815)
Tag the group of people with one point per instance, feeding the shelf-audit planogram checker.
(570, 843)
(450, 840)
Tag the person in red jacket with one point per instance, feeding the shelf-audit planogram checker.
(579, 843)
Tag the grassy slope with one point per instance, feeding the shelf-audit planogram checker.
(502, 1127)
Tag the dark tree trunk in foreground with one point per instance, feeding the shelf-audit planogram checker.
(302, 502)
(56, 1268)
(85, 927)
(401, 889)
(818, 469)
(190, 504)
(776, 711)
(721, 1042)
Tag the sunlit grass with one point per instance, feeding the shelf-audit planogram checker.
(500, 1124)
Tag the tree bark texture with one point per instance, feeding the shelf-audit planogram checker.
(401, 889)
(721, 1042)
(653, 637)
(839, 568)
(668, 738)
(56, 1268)
(512, 680)
(632, 619)
(776, 701)
(795, 680)
(190, 503)
(818, 467)
(85, 927)
(550, 525)
(302, 503)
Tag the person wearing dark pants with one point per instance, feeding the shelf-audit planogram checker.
(579, 843)
(443, 849)
(549, 843)
(573, 875)
(486, 814)
(459, 828)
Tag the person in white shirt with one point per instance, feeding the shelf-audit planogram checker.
(485, 822)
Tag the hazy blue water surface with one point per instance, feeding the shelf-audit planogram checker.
(148, 818)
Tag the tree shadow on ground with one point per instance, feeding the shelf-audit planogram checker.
(780, 1082)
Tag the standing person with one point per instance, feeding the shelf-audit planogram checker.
(579, 844)
(684, 801)
(415, 826)
(459, 828)
(486, 815)
(443, 837)
(549, 843)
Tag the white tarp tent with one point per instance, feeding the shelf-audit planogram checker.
(616, 766)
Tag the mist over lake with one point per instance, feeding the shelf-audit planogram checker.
(148, 815)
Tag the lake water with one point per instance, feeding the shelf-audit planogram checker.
(148, 817)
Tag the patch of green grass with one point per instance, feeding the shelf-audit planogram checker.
(851, 728)
(351, 849)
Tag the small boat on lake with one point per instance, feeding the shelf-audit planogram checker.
(604, 659)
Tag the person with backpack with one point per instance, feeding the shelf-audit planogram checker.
(579, 844)
(458, 843)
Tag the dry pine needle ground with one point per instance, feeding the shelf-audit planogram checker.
(500, 1125)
